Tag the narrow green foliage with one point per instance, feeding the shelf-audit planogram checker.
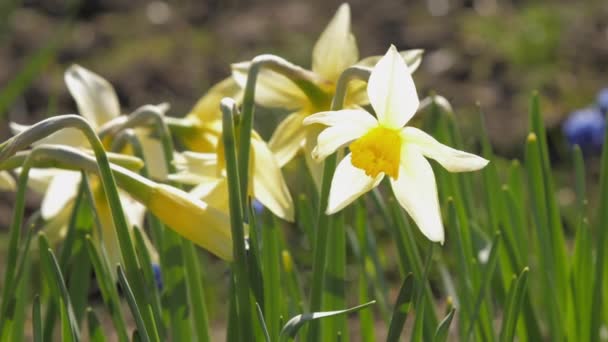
(258, 310)
(401, 308)
(37, 320)
(272, 279)
(334, 297)
(441, 335)
(135, 309)
(513, 306)
(290, 329)
(95, 328)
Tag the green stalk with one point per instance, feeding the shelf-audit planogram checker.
(323, 221)
(241, 274)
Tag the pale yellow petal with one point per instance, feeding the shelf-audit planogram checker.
(271, 89)
(153, 155)
(67, 136)
(7, 183)
(39, 179)
(391, 91)
(332, 138)
(315, 168)
(416, 191)
(62, 189)
(213, 192)
(347, 184)
(95, 97)
(336, 48)
(269, 186)
(451, 159)
(288, 138)
(208, 107)
(342, 117)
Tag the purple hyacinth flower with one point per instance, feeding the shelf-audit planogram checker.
(258, 207)
(585, 127)
(602, 100)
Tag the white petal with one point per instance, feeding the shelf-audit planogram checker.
(7, 183)
(391, 91)
(271, 89)
(336, 48)
(67, 136)
(95, 97)
(412, 58)
(348, 183)
(269, 186)
(332, 138)
(39, 179)
(345, 116)
(287, 138)
(451, 159)
(62, 189)
(416, 191)
(134, 211)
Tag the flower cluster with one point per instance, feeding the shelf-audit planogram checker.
(371, 123)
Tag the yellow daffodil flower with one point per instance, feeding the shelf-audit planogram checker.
(201, 132)
(335, 51)
(383, 146)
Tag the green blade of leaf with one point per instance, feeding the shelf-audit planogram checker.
(513, 307)
(441, 335)
(401, 308)
(95, 327)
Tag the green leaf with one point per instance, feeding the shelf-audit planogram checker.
(258, 310)
(290, 329)
(441, 335)
(95, 328)
(37, 320)
(135, 310)
(401, 308)
(513, 306)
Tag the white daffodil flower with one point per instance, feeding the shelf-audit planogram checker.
(382, 147)
(335, 51)
(98, 103)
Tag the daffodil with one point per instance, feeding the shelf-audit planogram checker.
(383, 146)
(201, 132)
(335, 51)
(98, 103)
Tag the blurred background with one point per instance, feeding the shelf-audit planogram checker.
(494, 52)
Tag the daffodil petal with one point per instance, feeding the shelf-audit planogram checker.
(315, 168)
(213, 192)
(67, 136)
(416, 191)
(208, 107)
(134, 211)
(391, 91)
(342, 117)
(62, 189)
(412, 58)
(348, 183)
(271, 89)
(336, 48)
(7, 183)
(94, 96)
(288, 138)
(332, 138)
(153, 155)
(451, 159)
(39, 179)
(268, 183)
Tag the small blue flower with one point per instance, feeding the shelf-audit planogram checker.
(602, 100)
(585, 127)
(157, 276)
(258, 207)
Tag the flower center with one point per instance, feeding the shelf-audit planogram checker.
(377, 151)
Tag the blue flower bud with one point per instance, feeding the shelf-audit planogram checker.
(585, 127)
(602, 100)
(157, 276)
(258, 207)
